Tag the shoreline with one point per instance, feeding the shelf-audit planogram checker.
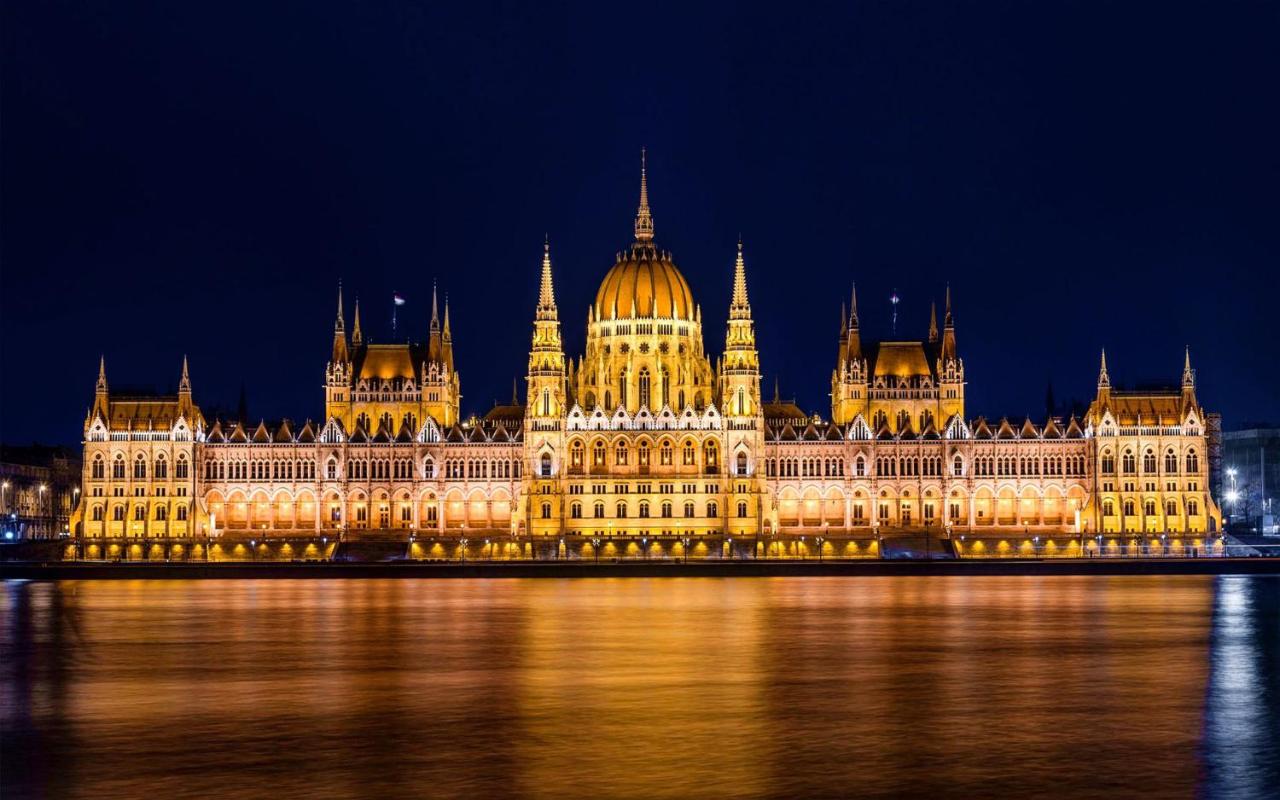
(43, 571)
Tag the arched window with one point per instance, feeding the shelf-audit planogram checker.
(712, 510)
(621, 509)
(117, 467)
(97, 513)
(162, 513)
(711, 454)
(575, 511)
(331, 470)
(162, 468)
(690, 454)
(139, 513)
(666, 386)
(117, 513)
(742, 463)
(688, 509)
(428, 467)
(1108, 463)
(599, 510)
(1128, 508)
(1130, 463)
(620, 453)
(1193, 508)
(546, 465)
(1149, 507)
(1171, 508)
(99, 468)
(140, 468)
(742, 401)
(597, 453)
(644, 386)
(642, 454)
(622, 388)
(1193, 462)
(180, 470)
(665, 453)
(860, 467)
(644, 509)
(546, 402)
(182, 513)
(666, 509)
(957, 466)
(576, 456)
(546, 511)
(1149, 461)
(742, 508)
(1170, 462)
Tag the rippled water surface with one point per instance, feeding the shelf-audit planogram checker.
(672, 687)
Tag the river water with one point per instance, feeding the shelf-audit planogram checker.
(646, 688)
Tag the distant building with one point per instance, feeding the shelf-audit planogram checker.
(1250, 479)
(39, 488)
(649, 435)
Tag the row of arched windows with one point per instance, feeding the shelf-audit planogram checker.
(642, 453)
(159, 469)
(98, 512)
(621, 510)
(1129, 462)
(1149, 507)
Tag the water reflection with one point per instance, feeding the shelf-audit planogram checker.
(1084, 687)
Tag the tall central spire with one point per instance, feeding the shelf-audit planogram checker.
(644, 219)
(739, 308)
(546, 292)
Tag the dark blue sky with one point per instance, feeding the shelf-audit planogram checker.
(187, 178)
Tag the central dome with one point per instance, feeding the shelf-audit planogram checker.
(646, 280)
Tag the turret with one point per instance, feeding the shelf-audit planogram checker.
(1188, 381)
(738, 372)
(1104, 382)
(101, 398)
(948, 331)
(340, 353)
(184, 391)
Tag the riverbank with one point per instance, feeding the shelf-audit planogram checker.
(635, 569)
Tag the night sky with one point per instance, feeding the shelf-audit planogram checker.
(195, 178)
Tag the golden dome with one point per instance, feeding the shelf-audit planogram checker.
(647, 278)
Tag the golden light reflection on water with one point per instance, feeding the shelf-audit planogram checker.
(1071, 686)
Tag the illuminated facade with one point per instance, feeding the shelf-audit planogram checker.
(644, 437)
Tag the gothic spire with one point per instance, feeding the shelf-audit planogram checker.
(435, 311)
(740, 308)
(338, 324)
(102, 373)
(853, 339)
(184, 385)
(947, 320)
(546, 290)
(1104, 380)
(1188, 374)
(933, 322)
(644, 219)
(356, 336)
(447, 335)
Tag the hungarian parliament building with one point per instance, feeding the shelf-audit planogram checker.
(645, 437)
